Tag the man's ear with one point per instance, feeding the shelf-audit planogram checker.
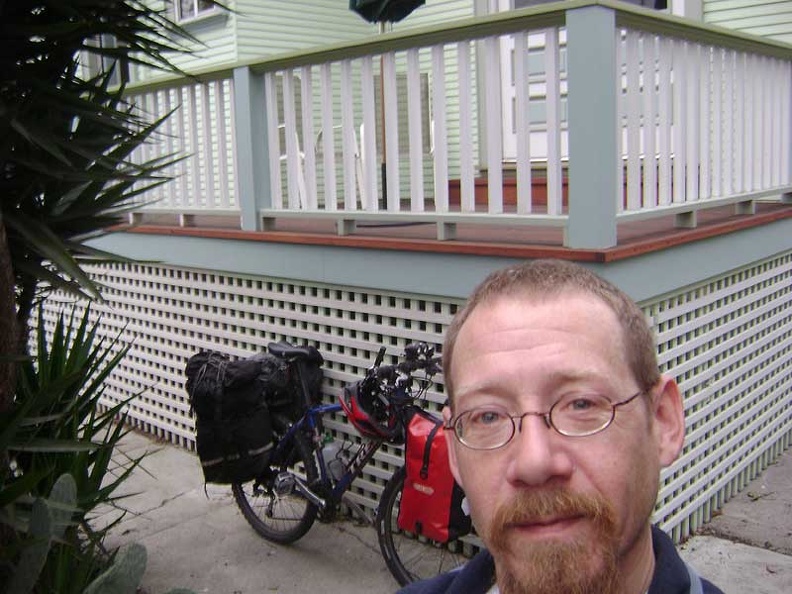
(669, 420)
(452, 443)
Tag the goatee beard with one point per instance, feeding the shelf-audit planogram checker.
(554, 567)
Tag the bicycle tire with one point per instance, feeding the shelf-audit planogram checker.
(410, 557)
(280, 519)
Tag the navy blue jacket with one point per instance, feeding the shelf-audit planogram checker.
(477, 575)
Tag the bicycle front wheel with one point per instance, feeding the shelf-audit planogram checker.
(277, 516)
(410, 557)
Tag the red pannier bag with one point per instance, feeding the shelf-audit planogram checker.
(431, 502)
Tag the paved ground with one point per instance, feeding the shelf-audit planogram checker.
(748, 548)
(197, 539)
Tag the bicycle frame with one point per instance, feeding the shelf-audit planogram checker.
(309, 423)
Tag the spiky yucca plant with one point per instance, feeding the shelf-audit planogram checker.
(61, 429)
(65, 144)
(66, 176)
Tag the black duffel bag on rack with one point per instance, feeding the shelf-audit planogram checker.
(282, 381)
(233, 429)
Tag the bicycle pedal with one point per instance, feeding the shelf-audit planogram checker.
(284, 484)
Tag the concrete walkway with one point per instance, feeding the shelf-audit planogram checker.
(197, 538)
(748, 547)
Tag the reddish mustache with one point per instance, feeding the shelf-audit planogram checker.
(535, 506)
(538, 507)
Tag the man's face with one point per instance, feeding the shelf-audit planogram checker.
(560, 513)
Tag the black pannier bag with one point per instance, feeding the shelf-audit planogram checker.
(233, 426)
(234, 450)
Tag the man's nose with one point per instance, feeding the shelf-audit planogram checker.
(538, 455)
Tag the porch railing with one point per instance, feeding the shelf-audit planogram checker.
(641, 114)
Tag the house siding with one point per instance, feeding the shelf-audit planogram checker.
(254, 30)
(282, 26)
(437, 12)
(771, 19)
(215, 46)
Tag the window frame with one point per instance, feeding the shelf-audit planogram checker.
(196, 12)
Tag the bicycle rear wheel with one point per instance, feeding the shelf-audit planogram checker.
(280, 517)
(410, 557)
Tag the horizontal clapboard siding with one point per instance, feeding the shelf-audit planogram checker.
(215, 45)
(269, 27)
(766, 18)
(437, 12)
(282, 26)
(257, 29)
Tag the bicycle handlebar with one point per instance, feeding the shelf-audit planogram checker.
(417, 356)
(391, 385)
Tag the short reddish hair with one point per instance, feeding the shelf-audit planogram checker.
(542, 279)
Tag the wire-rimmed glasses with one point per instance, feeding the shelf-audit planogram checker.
(574, 415)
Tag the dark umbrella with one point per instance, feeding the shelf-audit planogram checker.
(380, 11)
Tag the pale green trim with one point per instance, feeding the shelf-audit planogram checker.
(643, 277)
(593, 142)
(252, 147)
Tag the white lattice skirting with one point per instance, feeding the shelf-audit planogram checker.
(727, 340)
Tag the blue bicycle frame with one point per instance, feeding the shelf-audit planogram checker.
(309, 423)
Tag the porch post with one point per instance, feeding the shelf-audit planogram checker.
(592, 117)
(250, 133)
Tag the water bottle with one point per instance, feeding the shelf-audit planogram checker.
(335, 458)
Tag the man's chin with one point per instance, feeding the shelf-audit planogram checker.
(553, 542)
(555, 566)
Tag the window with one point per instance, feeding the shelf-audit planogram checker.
(190, 9)
(99, 61)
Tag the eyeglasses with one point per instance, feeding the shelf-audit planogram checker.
(576, 415)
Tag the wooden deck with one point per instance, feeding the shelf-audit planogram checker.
(634, 238)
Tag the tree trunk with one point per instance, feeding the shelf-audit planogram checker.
(9, 338)
(25, 302)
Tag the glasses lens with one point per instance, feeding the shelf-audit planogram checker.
(484, 428)
(581, 414)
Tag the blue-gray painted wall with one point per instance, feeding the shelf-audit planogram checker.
(449, 275)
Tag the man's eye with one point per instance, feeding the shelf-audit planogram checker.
(581, 404)
(486, 417)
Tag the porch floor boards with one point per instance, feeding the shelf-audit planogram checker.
(634, 237)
